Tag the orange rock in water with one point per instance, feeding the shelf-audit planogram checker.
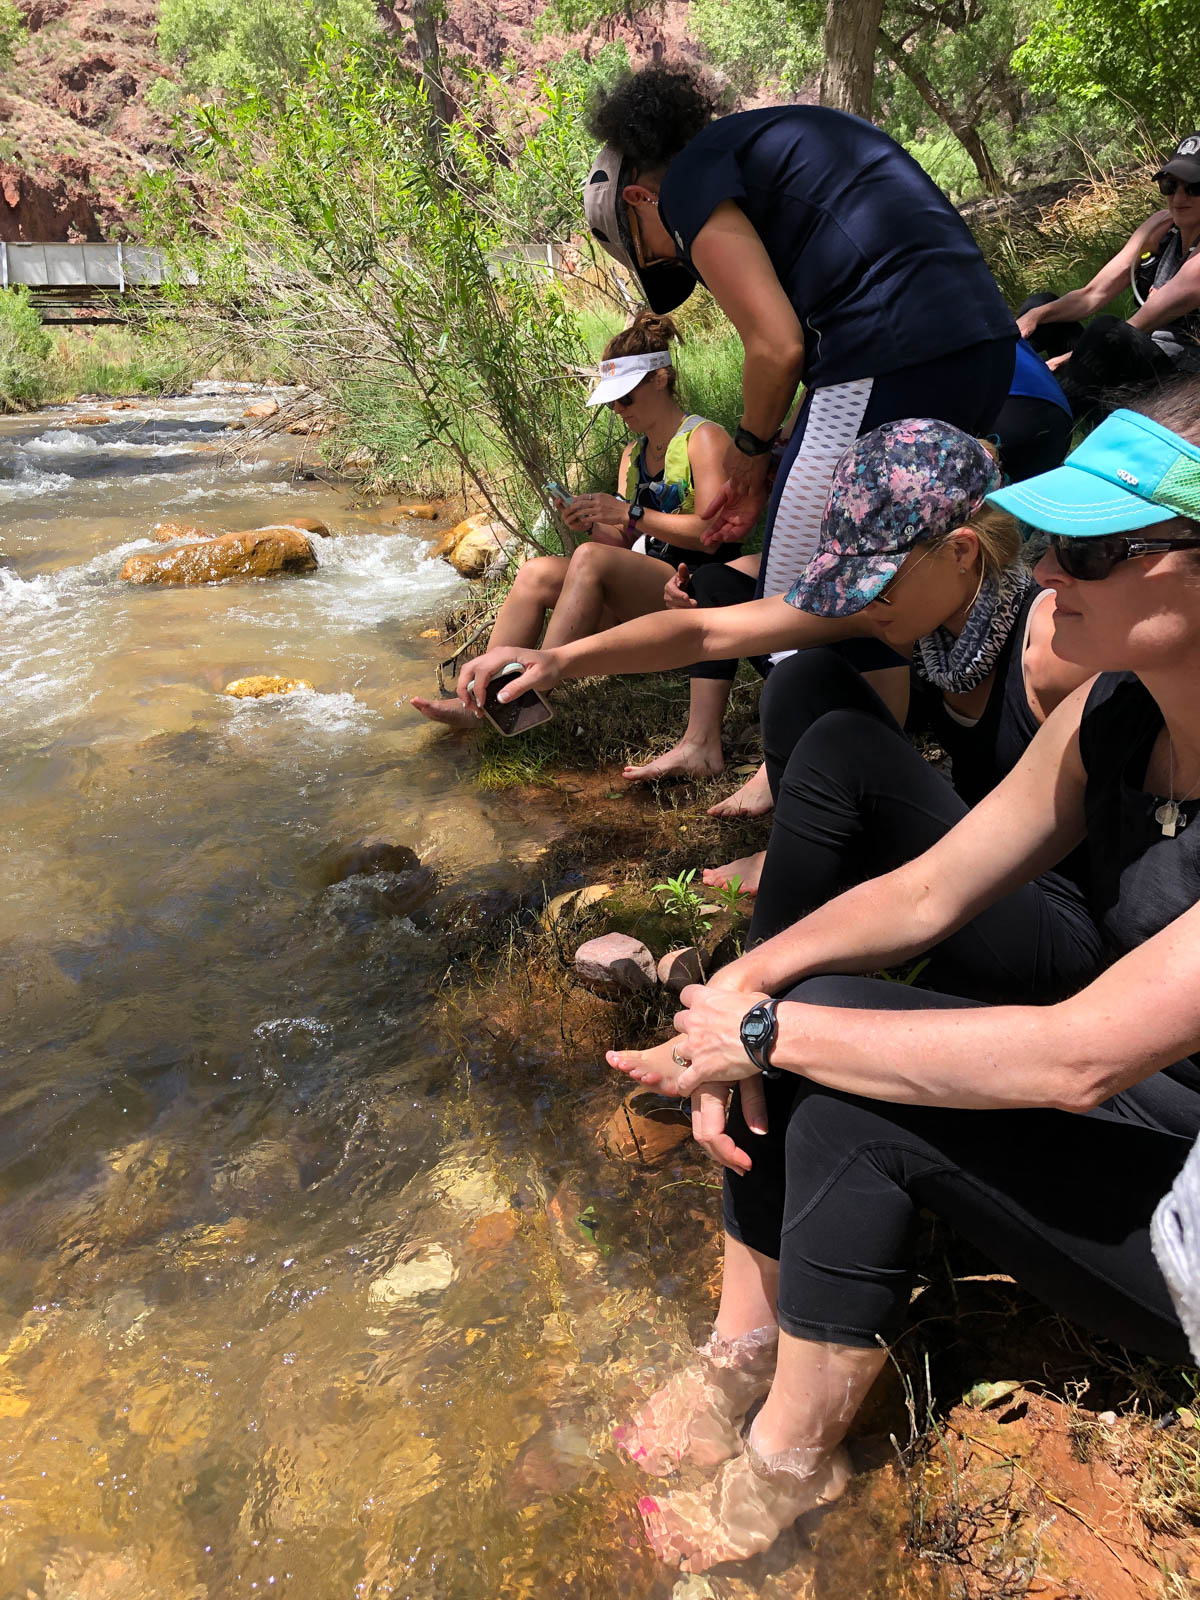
(310, 525)
(391, 516)
(123, 405)
(261, 553)
(262, 410)
(172, 532)
(264, 683)
(87, 419)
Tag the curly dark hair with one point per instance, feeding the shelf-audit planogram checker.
(650, 115)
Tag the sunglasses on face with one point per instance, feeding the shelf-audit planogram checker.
(1091, 559)
(624, 400)
(1168, 186)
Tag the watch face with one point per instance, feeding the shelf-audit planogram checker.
(755, 1026)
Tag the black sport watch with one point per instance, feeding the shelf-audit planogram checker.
(758, 1036)
(750, 444)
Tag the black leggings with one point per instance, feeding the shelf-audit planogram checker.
(854, 799)
(1107, 357)
(724, 586)
(1062, 1202)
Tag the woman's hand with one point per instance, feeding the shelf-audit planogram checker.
(1055, 362)
(1027, 323)
(601, 508)
(710, 1108)
(572, 517)
(675, 596)
(542, 672)
(710, 1035)
(740, 500)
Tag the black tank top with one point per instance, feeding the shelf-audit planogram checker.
(1179, 339)
(1141, 881)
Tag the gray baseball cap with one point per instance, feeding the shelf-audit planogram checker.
(665, 284)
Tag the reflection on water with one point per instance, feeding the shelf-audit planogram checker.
(295, 1298)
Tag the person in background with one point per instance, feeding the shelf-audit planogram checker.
(673, 459)
(1162, 338)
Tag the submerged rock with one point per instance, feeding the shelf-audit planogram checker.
(309, 525)
(389, 516)
(375, 853)
(615, 963)
(254, 688)
(262, 410)
(87, 419)
(259, 553)
(428, 1269)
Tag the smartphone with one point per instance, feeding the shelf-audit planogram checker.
(688, 586)
(514, 716)
(558, 494)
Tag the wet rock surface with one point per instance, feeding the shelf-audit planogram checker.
(262, 553)
(260, 684)
(475, 546)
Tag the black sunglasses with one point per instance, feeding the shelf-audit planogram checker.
(1168, 186)
(1091, 559)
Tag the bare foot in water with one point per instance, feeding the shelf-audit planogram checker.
(747, 868)
(697, 1412)
(450, 713)
(753, 799)
(744, 1510)
(683, 761)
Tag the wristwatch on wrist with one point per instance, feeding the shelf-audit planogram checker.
(758, 1036)
(633, 522)
(750, 444)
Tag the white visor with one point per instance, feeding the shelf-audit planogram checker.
(623, 373)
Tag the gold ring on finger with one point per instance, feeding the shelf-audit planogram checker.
(679, 1060)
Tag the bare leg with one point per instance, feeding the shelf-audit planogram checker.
(753, 799)
(535, 589)
(747, 869)
(793, 1460)
(698, 754)
(603, 580)
(698, 1411)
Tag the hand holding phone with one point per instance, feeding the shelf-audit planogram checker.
(558, 495)
(528, 710)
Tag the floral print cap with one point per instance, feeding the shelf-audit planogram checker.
(897, 485)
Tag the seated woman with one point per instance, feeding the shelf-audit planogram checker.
(1159, 341)
(1007, 1119)
(672, 464)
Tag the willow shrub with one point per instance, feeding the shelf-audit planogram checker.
(365, 247)
(25, 348)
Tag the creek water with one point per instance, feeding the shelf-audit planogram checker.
(299, 1295)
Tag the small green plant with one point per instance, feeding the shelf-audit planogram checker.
(732, 897)
(681, 899)
(25, 348)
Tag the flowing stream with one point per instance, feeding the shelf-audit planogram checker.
(298, 1296)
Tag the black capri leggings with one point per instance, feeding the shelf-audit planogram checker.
(1107, 356)
(1062, 1202)
(854, 799)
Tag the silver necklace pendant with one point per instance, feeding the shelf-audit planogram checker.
(1171, 818)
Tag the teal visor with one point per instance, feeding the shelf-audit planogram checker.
(1129, 473)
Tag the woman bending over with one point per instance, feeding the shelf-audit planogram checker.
(1008, 1119)
(672, 464)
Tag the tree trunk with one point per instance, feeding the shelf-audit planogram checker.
(959, 124)
(848, 73)
(425, 14)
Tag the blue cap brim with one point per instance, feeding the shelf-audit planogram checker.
(1078, 505)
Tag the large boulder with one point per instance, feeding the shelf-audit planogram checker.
(475, 546)
(260, 553)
